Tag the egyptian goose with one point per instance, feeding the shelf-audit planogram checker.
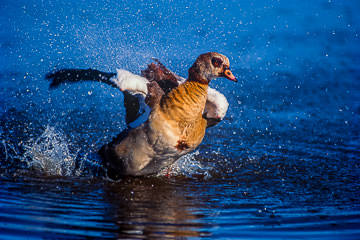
(172, 113)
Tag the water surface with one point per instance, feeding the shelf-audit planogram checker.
(283, 164)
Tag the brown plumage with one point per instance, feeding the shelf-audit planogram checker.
(175, 125)
(179, 114)
(182, 109)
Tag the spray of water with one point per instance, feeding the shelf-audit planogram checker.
(53, 154)
(50, 153)
(188, 166)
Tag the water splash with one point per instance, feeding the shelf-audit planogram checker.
(189, 166)
(50, 153)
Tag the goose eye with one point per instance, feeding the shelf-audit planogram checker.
(216, 62)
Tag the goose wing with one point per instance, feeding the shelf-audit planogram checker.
(216, 104)
(132, 101)
(143, 92)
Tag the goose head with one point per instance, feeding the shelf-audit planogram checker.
(209, 66)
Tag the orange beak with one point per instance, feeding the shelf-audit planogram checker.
(228, 74)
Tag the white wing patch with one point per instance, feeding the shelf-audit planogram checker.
(219, 102)
(127, 81)
(216, 106)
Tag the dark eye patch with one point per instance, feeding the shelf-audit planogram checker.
(216, 62)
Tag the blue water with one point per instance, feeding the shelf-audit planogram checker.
(283, 164)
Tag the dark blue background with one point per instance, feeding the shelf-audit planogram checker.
(284, 163)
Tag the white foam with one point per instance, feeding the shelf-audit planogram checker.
(50, 154)
(188, 165)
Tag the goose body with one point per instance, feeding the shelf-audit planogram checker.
(172, 114)
(175, 127)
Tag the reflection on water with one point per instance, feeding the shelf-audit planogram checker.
(153, 208)
(77, 208)
(162, 208)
